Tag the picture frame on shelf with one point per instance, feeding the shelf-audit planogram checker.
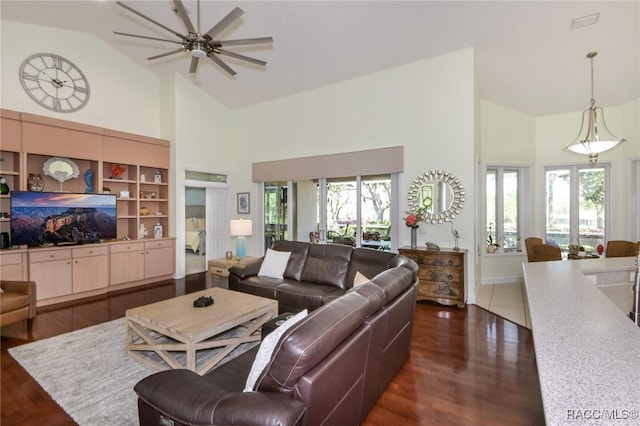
(244, 206)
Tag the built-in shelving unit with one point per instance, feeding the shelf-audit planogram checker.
(27, 141)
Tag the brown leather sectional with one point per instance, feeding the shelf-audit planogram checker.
(315, 273)
(329, 368)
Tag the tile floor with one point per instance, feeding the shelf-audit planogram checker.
(194, 263)
(505, 300)
(508, 300)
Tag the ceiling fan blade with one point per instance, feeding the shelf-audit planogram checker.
(224, 23)
(148, 38)
(245, 41)
(130, 9)
(173, 52)
(222, 65)
(242, 57)
(194, 65)
(182, 12)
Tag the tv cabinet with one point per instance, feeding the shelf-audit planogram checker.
(72, 272)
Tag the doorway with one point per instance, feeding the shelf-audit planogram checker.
(195, 230)
(206, 219)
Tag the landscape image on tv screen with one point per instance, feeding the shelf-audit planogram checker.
(57, 218)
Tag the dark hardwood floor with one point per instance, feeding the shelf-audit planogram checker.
(467, 367)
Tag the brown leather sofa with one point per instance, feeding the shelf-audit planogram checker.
(17, 302)
(329, 368)
(315, 273)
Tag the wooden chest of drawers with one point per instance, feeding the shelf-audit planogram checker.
(442, 275)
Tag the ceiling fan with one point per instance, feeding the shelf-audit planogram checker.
(198, 44)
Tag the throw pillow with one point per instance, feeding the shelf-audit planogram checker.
(359, 279)
(274, 264)
(266, 349)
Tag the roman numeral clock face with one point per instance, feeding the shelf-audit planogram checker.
(54, 82)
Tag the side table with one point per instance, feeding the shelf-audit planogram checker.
(218, 270)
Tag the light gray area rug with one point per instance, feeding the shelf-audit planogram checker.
(89, 374)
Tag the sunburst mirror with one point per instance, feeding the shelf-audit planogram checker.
(437, 196)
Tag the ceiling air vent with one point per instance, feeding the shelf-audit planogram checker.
(585, 21)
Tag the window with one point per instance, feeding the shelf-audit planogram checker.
(576, 205)
(359, 210)
(504, 216)
(355, 210)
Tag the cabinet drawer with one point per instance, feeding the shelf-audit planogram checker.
(90, 251)
(158, 244)
(219, 271)
(10, 259)
(430, 289)
(44, 256)
(124, 248)
(441, 274)
(437, 259)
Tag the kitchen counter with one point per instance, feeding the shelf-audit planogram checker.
(587, 349)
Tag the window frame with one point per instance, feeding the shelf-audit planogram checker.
(574, 215)
(525, 216)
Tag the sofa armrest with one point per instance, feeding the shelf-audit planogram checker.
(22, 287)
(259, 408)
(192, 399)
(247, 271)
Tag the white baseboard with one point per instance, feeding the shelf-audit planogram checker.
(501, 280)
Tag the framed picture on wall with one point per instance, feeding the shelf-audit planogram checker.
(243, 203)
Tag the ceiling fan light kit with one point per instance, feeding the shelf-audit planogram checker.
(200, 45)
(596, 137)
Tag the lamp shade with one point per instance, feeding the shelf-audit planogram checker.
(241, 227)
(595, 137)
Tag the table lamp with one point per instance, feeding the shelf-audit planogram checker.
(241, 228)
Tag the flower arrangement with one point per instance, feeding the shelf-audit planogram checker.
(412, 220)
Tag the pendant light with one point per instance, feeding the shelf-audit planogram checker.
(595, 138)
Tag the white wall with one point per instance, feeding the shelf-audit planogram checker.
(509, 137)
(427, 106)
(202, 142)
(124, 96)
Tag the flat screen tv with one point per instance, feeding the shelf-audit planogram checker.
(59, 218)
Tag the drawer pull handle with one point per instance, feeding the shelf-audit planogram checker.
(450, 262)
(450, 277)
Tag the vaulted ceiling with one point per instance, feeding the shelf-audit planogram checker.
(528, 57)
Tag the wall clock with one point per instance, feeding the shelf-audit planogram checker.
(54, 82)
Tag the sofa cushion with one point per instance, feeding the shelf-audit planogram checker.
(359, 279)
(305, 295)
(368, 262)
(327, 264)
(393, 282)
(259, 286)
(308, 342)
(13, 301)
(298, 250)
(274, 264)
(266, 349)
(375, 296)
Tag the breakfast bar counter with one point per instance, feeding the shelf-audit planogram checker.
(587, 349)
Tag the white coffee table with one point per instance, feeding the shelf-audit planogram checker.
(191, 329)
